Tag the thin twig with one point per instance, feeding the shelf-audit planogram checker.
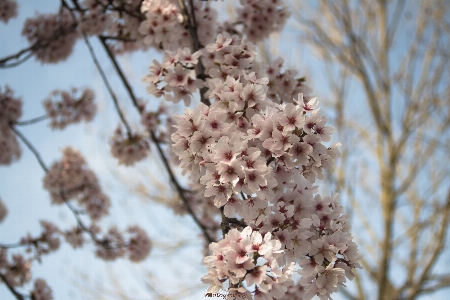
(103, 75)
(12, 245)
(32, 121)
(121, 74)
(18, 295)
(192, 26)
(30, 146)
(44, 167)
(178, 187)
(108, 86)
(157, 143)
(117, 38)
(42, 43)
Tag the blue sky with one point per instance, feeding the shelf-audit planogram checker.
(69, 271)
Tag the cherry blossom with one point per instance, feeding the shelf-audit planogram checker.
(253, 148)
(8, 10)
(55, 31)
(47, 242)
(65, 108)
(129, 149)
(176, 70)
(260, 18)
(17, 270)
(244, 144)
(94, 20)
(3, 211)
(10, 112)
(71, 178)
(41, 290)
(139, 244)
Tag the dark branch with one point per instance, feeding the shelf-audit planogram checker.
(31, 147)
(18, 295)
(155, 140)
(29, 122)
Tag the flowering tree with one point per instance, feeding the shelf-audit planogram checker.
(395, 53)
(251, 140)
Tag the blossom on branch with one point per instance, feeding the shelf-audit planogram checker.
(10, 112)
(65, 108)
(41, 290)
(16, 271)
(260, 18)
(139, 244)
(129, 149)
(264, 156)
(177, 71)
(71, 179)
(8, 10)
(3, 211)
(53, 34)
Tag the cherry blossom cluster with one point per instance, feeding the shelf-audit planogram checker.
(258, 159)
(206, 21)
(139, 244)
(47, 242)
(94, 19)
(70, 178)
(3, 211)
(129, 148)
(114, 244)
(131, 25)
(250, 257)
(261, 18)
(54, 33)
(41, 290)
(10, 112)
(164, 24)
(16, 269)
(160, 122)
(8, 10)
(64, 107)
(230, 56)
(124, 19)
(74, 237)
(284, 86)
(177, 73)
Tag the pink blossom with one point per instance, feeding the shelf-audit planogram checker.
(8, 10)
(41, 290)
(139, 245)
(3, 211)
(43, 28)
(129, 149)
(65, 108)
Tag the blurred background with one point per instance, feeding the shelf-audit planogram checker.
(380, 70)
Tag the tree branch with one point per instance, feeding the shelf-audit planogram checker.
(173, 179)
(18, 295)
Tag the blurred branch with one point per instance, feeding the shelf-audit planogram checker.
(31, 147)
(32, 121)
(155, 140)
(18, 295)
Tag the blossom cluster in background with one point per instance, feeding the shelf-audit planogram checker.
(10, 112)
(253, 147)
(54, 33)
(8, 10)
(129, 148)
(65, 108)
